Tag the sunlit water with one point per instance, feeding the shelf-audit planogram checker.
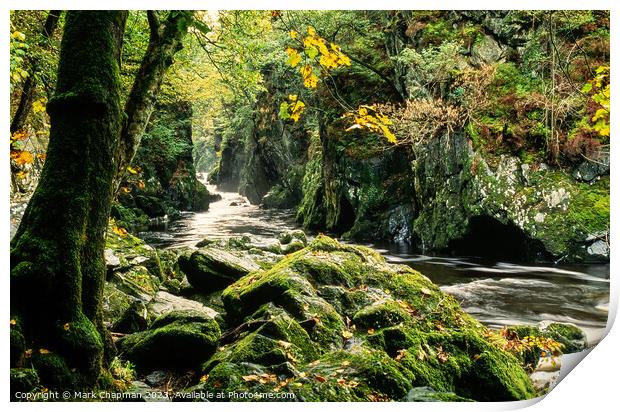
(496, 293)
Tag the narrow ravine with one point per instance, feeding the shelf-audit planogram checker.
(496, 293)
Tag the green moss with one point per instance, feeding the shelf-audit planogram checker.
(53, 371)
(23, 380)
(381, 315)
(176, 340)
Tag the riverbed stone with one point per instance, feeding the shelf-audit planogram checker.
(176, 340)
(211, 268)
(165, 302)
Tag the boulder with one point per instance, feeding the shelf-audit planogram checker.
(211, 268)
(176, 340)
(164, 302)
(335, 322)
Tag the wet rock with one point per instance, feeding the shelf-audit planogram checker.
(210, 268)
(176, 340)
(427, 394)
(599, 249)
(111, 260)
(156, 378)
(590, 170)
(164, 302)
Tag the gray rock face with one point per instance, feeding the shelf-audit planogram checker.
(455, 185)
(164, 302)
(589, 170)
(210, 268)
(599, 249)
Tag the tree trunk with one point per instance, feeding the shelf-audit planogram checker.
(57, 263)
(29, 90)
(165, 40)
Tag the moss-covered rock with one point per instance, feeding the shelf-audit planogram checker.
(23, 380)
(209, 269)
(176, 340)
(336, 322)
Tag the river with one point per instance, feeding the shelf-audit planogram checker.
(496, 293)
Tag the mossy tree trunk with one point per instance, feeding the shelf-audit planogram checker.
(164, 41)
(57, 263)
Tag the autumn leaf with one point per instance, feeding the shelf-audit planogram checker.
(345, 363)
(400, 354)
(250, 378)
(132, 170)
(21, 157)
(284, 344)
(43, 351)
(371, 331)
(13, 322)
(347, 335)
(204, 378)
(320, 378)
(28, 353)
(66, 326)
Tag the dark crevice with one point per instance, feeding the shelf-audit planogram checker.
(489, 238)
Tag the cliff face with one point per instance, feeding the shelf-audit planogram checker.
(508, 185)
(262, 159)
(504, 207)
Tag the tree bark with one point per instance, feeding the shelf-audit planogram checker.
(165, 40)
(57, 263)
(29, 89)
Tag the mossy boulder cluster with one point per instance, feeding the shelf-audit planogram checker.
(334, 322)
(327, 322)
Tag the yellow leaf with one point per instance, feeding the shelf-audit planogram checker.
(66, 326)
(371, 331)
(13, 322)
(293, 34)
(132, 170)
(22, 157)
(347, 335)
(43, 351)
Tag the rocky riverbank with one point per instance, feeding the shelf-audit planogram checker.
(318, 321)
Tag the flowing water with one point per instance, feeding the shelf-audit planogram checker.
(496, 293)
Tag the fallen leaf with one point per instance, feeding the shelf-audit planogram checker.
(43, 351)
(284, 344)
(204, 378)
(13, 322)
(346, 334)
(401, 354)
(345, 363)
(320, 378)
(371, 331)
(250, 378)
(341, 381)
(426, 291)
